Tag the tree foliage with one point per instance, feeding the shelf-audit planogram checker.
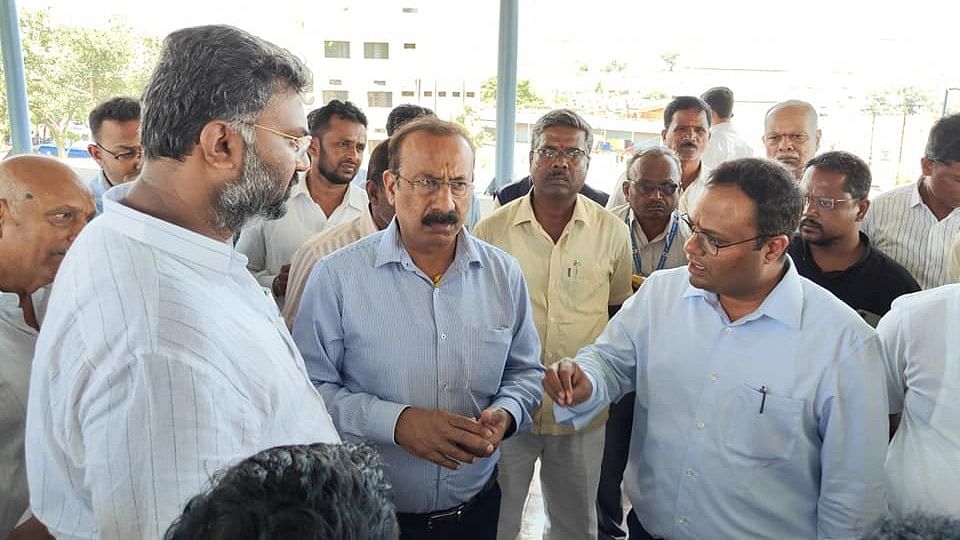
(526, 95)
(69, 70)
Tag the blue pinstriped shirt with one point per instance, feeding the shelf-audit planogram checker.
(377, 337)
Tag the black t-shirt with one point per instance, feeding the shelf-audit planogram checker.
(869, 286)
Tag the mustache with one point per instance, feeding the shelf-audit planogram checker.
(441, 218)
(688, 143)
(810, 223)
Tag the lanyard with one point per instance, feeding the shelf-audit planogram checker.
(671, 236)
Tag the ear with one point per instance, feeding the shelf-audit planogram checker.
(818, 139)
(776, 247)
(926, 166)
(663, 135)
(390, 186)
(314, 148)
(221, 146)
(626, 189)
(373, 194)
(94, 152)
(530, 160)
(862, 208)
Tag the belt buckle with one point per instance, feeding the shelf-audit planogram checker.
(452, 514)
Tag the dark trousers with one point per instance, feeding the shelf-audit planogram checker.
(615, 452)
(479, 522)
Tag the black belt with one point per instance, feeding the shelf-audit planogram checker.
(450, 515)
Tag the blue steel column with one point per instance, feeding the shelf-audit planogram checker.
(507, 90)
(16, 82)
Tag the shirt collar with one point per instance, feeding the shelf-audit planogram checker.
(784, 303)
(390, 249)
(525, 213)
(636, 228)
(167, 237)
(915, 199)
(355, 196)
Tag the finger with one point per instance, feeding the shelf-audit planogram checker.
(442, 460)
(462, 423)
(477, 445)
(551, 384)
(454, 452)
(565, 372)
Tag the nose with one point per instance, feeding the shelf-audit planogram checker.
(809, 207)
(303, 162)
(657, 194)
(692, 245)
(785, 143)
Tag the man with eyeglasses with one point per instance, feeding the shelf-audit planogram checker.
(421, 340)
(914, 224)
(115, 127)
(830, 249)
(160, 360)
(760, 405)
(791, 134)
(323, 197)
(576, 260)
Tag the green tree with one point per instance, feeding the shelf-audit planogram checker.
(910, 101)
(878, 104)
(526, 95)
(670, 60)
(470, 120)
(71, 69)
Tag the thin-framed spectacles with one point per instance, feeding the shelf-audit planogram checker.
(710, 245)
(825, 203)
(795, 138)
(666, 190)
(122, 156)
(300, 144)
(429, 186)
(570, 154)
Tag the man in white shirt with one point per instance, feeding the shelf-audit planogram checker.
(43, 206)
(161, 360)
(380, 213)
(725, 143)
(914, 224)
(686, 131)
(791, 135)
(922, 346)
(323, 198)
(760, 408)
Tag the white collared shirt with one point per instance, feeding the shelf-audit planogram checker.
(725, 144)
(688, 197)
(160, 361)
(903, 227)
(919, 336)
(650, 250)
(270, 244)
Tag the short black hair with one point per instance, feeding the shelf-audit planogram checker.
(207, 73)
(720, 100)
(772, 189)
(118, 109)
(317, 491)
(856, 171)
(917, 526)
(682, 103)
(943, 143)
(379, 162)
(401, 114)
(560, 118)
(319, 119)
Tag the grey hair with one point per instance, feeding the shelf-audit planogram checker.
(208, 73)
(795, 104)
(560, 118)
(652, 152)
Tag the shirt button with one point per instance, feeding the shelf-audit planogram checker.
(714, 377)
(728, 329)
(701, 425)
(691, 473)
(443, 336)
(681, 520)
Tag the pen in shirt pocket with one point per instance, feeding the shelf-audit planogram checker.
(763, 399)
(573, 272)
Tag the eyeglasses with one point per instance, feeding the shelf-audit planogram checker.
(429, 186)
(825, 203)
(123, 156)
(570, 154)
(795, 138)
(666, 190)
(710, 245)
(300, 144)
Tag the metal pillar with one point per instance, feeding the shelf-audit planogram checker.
(507, 90)
(14, 77)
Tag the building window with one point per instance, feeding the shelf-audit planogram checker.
(380, 83)
(335, 82)
(376, 50)
(456, 94)
(407, 93)
(330, 95)
(471, 94)
(441, 94)
(428, 93)
(410, 10)
(336, 49)
(409, 45)
(380, 99)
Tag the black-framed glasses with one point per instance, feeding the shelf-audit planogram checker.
(570, 154)
(710, 245)
(129, 155)
(667, 190)
(795, 138)
(300, 144)
(429, 186)
(824, 203)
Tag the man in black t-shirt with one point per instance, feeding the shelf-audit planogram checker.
(831, 251)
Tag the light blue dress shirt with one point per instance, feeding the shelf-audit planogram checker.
(98, 186)
(704, 461)
(377, 337)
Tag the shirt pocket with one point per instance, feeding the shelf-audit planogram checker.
(486, 369)
(769, 436)
(586, 289)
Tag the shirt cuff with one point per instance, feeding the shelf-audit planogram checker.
(516, 411)
(580, 415)
(382, 421)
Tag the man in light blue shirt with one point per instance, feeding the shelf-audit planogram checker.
(421, 340)
(760, 401)
(115, 126)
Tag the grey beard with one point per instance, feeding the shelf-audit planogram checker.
(254, 193)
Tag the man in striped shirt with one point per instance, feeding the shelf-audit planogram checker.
(914, 224)
(161, 360)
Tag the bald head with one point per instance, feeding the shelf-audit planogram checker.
(792, 134)
(43, 206)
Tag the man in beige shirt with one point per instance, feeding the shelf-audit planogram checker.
(576, 260)
(378, 216)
